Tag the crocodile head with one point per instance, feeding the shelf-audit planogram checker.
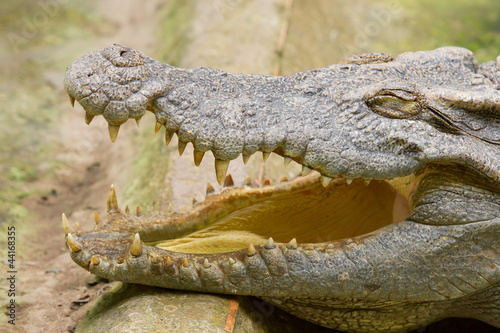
(400, 227)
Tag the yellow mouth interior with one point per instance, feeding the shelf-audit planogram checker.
(311, 215)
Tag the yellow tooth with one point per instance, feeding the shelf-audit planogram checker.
(284, 179)
(305, 170)
(72, 244)
(113, 131)
(367, 181)
(210, 189)
(154, 257)
(349, 181)
(287, 161)
(198, 157)
(269, 244)
(169, 262)
(292, 244)
(96, 218)
(112, 202)
(65, 222)
(325, 181)
(138, 211)
(265, 156)
(185, 262)
(138, 122)
(136, 247)
(127, 210)
(221, 170)
(231, 261)
(78, 226)
(228, 181)
(158, 126)
(251, 250)
(168, 136)
(182, 146)
(206, 264)
(246, 157)
(95, 261)
(71, 100)
(88, 118)
(247, 181)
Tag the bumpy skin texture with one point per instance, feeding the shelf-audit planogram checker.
(435, 114)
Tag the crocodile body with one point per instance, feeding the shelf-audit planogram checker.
(399, 229)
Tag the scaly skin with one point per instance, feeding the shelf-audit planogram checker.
(428, 123)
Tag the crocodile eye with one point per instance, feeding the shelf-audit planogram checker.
(395, 104)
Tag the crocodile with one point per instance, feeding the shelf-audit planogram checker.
(398, 226)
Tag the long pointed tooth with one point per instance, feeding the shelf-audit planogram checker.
(88, 118)
(96, 217)
(127, 210)
(138, 211)
(113, 131)
(349, 181)
(136, 247)
(246, 157)
(182, 146)
(325, 181)
(138, 122)
(251, 250)
(292, 244)
(112, 203)
(206, 264)
(269, 244)
(198, 157)
(221, 170)
(169, 262)
(71, 100)
(73, 245)
(210, 189)
(65, 223)
(287, 160)
(305, 170)
(168, 136)
(247, 181)
(265, 156)
(158, 125)
(78, 227)
(228, 182)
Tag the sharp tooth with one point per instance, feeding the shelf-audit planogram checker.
(221, 170)
(325, 181)
(247, 181)
(88, 118)
(210, 189)
(77, 225)
(251, 250)
(182, 146)
(66, 226)
(95, 261)
(246, 157)
(292, 244)
(169, 262)
(72, 243)
(198, 157)
(269, 244)
(138, 122)
(284, 179)
(127, 210)
(154, 257)
(305, 170)
(158, 125)
(287, 161)
(228, 182)
(136, 247)
(194, 201)
(231, 261)
(138, 211)
(185, 262)
(71, 100)
(113, 131)
(349, 181)
(168, 136)
(112, 202)
(367, 181)
(96, 218)
(266, 182)
(265, 156)
(206, 264)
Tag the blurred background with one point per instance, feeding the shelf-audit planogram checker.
(52, 162)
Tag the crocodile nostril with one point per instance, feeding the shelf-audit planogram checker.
(123, 53)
